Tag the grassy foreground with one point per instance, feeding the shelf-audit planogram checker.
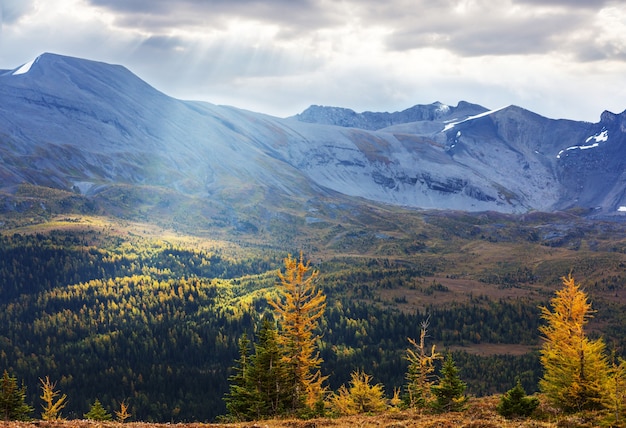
(480, 413)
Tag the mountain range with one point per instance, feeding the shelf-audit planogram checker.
(92, 128)
(140, 235)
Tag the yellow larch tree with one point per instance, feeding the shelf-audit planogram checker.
(122, 414)
(360, 397)
(576, 369)
(299, 307)
(51, 404)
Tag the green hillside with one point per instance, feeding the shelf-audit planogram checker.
(133, 310)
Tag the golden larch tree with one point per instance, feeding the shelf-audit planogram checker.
(360, 397)
(52, 405)
(299, 307)
(122, 414)
(576, 369)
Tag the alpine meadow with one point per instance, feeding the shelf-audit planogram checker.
(165, 261)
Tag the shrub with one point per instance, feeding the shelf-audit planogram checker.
(97, 412)
(360, 397)
(515, 402)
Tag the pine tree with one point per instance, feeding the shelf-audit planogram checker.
(259, 386)
(241, 395)
(420, 371)
(13, 399)
(450, 391)
(97, 412)
(267, 374)
(515, 402)
(52, 405)
(299, 308)
(576, 370)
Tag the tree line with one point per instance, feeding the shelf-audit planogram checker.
(578, 375)
(157, 325)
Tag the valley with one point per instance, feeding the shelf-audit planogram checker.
(141, 235)
(118, 308)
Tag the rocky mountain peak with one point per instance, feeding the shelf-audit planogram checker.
(372, 121)
(86, 126)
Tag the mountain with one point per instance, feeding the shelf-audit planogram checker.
(94, 128)
(425, 114)
(200, 203)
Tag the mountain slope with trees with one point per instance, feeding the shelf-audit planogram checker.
(126, 312)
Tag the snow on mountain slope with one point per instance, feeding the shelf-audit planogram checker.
(84, 125)
(435, 112)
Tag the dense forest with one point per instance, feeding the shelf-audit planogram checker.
(156, 323)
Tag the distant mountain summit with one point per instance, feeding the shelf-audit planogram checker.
(375, 120)
(93, 128)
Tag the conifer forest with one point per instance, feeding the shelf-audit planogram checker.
(161, 326)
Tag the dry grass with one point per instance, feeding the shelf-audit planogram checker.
(480, 413)
(400, 420)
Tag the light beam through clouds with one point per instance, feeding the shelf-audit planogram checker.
(559, 58)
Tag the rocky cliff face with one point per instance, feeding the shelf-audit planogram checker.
(436, 112)
(82, 125)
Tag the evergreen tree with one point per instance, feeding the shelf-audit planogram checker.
(515, 402)
(576, 370)
(241, 395)
(299, 308)
(97, 412)
(420, 371)
(259, 387)
(266, 374)
(12, 399)
(450, 391)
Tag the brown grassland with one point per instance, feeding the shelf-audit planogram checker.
(480, 413)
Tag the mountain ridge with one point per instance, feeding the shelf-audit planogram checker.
(84, 126)
(374, 121)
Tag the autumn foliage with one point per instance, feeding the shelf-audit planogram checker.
(53, 401)
(299, 308)
(360, 397)
(576, 369)
(283, 375)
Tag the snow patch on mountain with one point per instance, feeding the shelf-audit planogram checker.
(451, 125)
(442, 108)
(599, 138)
(25, 68)
(602, 136)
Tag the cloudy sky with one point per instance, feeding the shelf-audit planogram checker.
(559, 58)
